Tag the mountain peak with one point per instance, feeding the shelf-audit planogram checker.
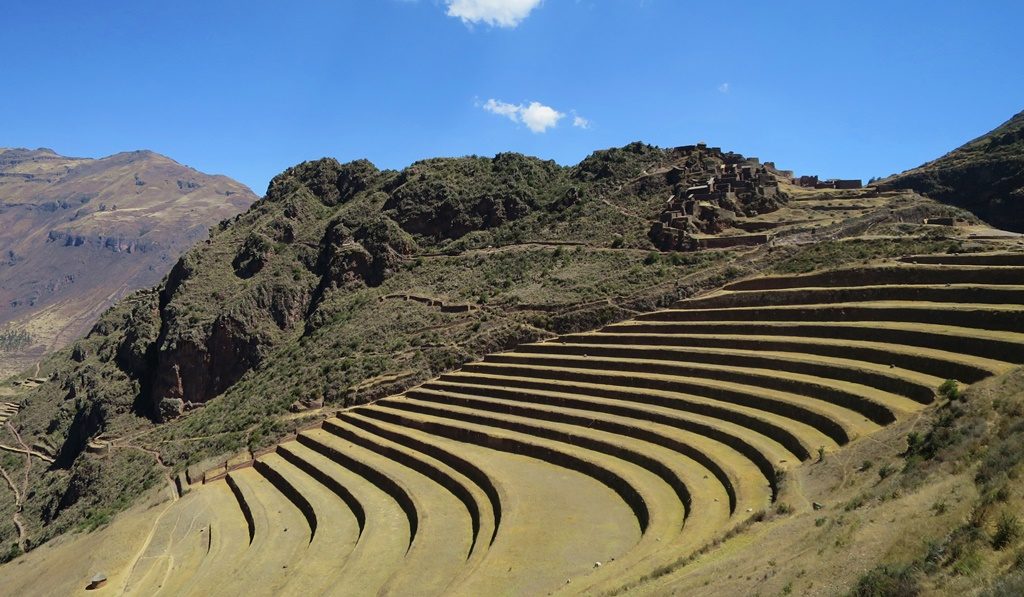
(79, 233)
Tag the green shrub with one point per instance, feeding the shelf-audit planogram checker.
(857, 502)
(968, 563)
(780, 477)
(914, 442)
(10, 554)
(95, 518)
(1008, 531)
(889, 581)
(950, 390)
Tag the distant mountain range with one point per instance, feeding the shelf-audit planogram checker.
(984, 176)
(77, 234)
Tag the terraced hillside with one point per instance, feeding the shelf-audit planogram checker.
(585, 463)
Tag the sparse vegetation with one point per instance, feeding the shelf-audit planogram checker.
(1011, 585)
(14, 339)
(889, 581)
(829, 253)
(1008, 531)
(10, 554)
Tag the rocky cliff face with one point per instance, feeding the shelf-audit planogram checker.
(220, 317)
(985, 176)
(77, 234)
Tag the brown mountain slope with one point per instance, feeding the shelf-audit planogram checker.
(985, 176)
(77, 234)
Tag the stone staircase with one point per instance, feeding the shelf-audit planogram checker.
(8, 410)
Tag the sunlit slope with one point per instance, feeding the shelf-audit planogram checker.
(585, 463)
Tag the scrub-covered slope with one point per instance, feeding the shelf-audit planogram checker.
(985, 176)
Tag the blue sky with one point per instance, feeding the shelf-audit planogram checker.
(249, 87)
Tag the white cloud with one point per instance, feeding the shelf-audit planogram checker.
(723, 88)
(536, 116)
(497, 13)
(580, 122)
(510, 111)
(539, 118)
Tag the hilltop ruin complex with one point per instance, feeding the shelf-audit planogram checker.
(712, 191)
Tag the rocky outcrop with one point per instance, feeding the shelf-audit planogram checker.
(190, 372)
(119, 244)
(135, 351)
(253, 255)
(193, 361)
(331, 182)
(448, 198)
(361, 251)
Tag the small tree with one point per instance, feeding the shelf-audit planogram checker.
(950, 389)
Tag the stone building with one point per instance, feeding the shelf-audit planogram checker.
(712, 190)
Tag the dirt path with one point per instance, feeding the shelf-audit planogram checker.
(27, 452)
(19, 493)
(22, 534)
(137, 556)
(173, 488)
(622, 210)
(28, 457)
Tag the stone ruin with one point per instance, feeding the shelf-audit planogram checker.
(712, 190)
(812, 182)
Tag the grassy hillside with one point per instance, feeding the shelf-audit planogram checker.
(348, 283)
(984, 176)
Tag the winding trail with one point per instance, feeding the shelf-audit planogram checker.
(27, 452)
(137, 557)
(19, 494)
(22, 534)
